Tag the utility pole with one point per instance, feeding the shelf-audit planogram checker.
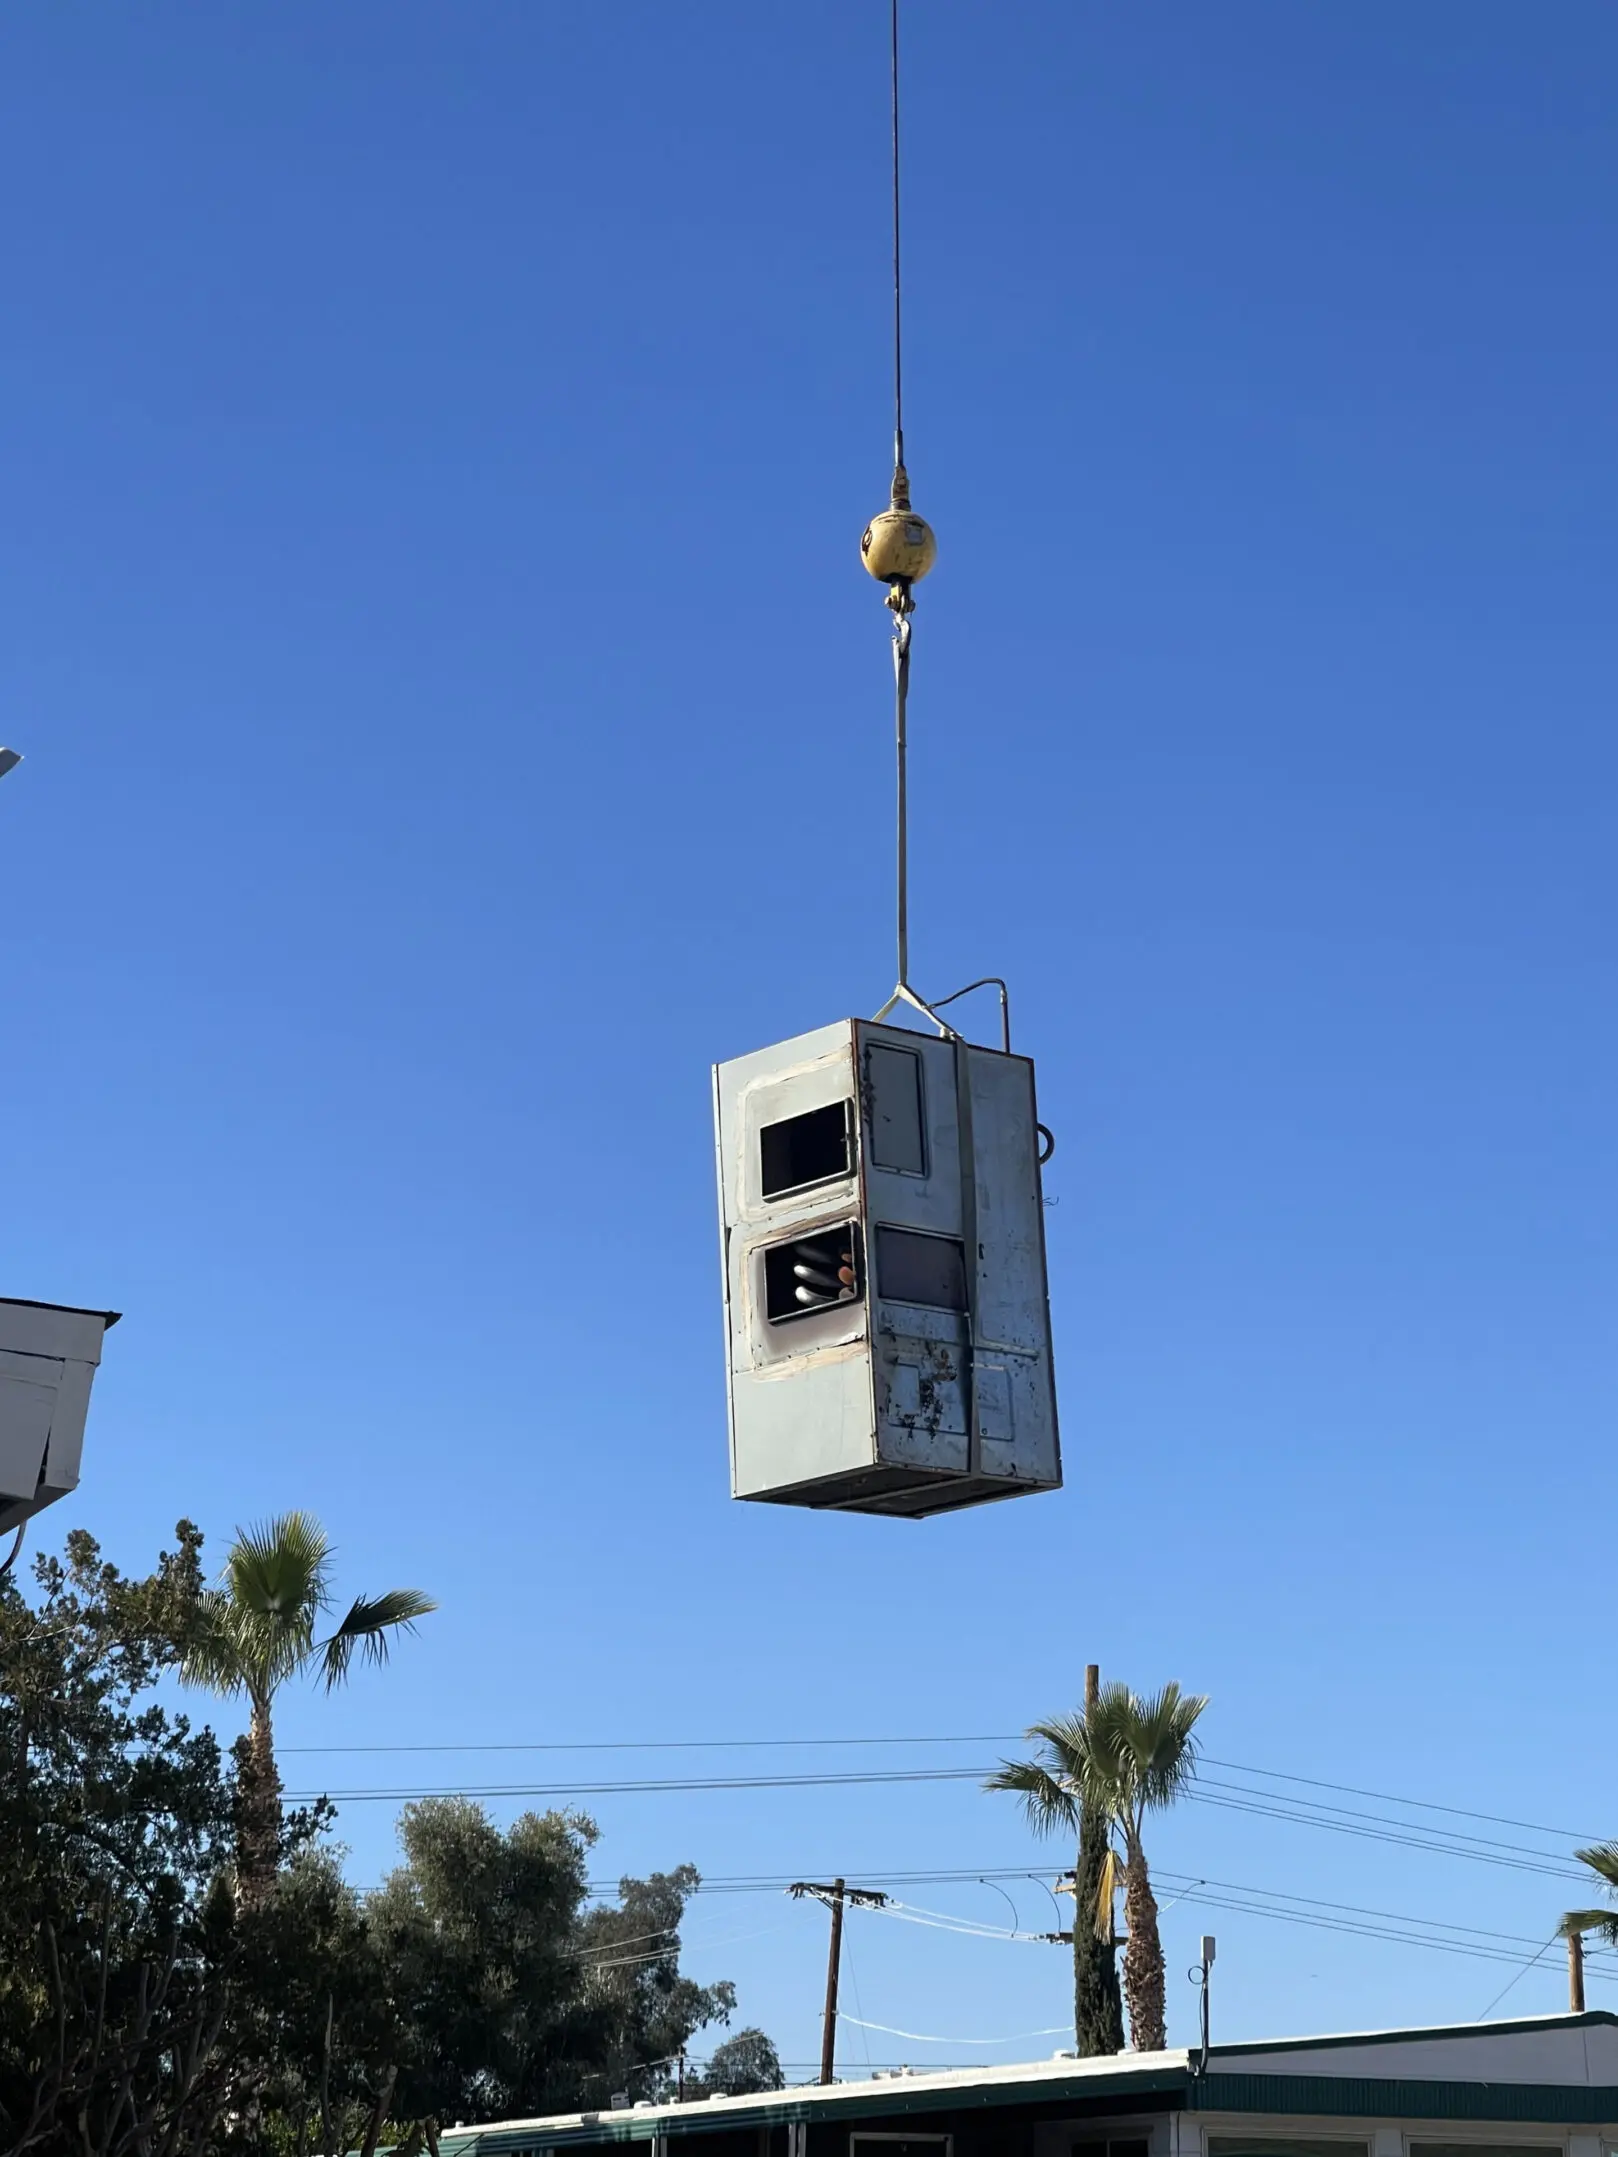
(834, 1897)
(1575, 1973)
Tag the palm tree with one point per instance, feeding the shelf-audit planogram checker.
(1050, 1788)
(1603, 1862)
(256, 1630)
(1132, 1754)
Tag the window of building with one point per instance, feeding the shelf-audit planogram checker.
(879, 2145)
(1483, 2149)
(1133, 2144)
(1288, 2146)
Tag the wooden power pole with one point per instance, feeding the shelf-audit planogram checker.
(834, 1960)
(1575, 1973)
(835, 1895)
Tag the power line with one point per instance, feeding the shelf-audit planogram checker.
(1385, 1797)
(1477, 1942)
(621, 1745)
(650, 1784)
(1303, 1812)
(661, 1745)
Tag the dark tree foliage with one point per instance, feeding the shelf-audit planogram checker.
(149, 2009)
(527, 2002)
(114, 1820)
(1098, 2003)
(742, 2064)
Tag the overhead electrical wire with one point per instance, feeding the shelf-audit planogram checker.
(660, 1745)
(918, 2037)
(1235, 1797)
(1236, 1767)
(1473, 1942)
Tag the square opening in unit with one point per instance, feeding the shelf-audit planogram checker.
(804, 1150)
(812, 1273)
(920, 1269)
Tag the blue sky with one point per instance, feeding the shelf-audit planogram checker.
(437, 441)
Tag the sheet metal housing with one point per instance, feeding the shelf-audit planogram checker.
(48, 1358)
(928, 1385)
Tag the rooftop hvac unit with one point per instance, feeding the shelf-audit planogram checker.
(887, 1324)
(48, 1358)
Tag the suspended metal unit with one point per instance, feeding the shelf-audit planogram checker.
(885, 1303)
(888, 1336)
(49, 1353)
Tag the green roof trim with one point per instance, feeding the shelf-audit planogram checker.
(1547, 2104)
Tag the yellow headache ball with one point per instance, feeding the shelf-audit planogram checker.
(898, 546)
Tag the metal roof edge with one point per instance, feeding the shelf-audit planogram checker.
(1518, 2025)
(961, 2089)
(73, 1310)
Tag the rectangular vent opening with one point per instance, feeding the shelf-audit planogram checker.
(804, 1150)
(920, 1269)
(812, 1273)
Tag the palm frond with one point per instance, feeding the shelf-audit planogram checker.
(281, 1569)
(1603, 1861)
(1049, 1803)
(1604, 1922)
(1140, 1751)
(370, 1620)
(1063, 1739)
(213, 1657)
(1107, 1895)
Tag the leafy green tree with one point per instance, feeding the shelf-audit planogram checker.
(255, 1631)
(521, 1999)
(147, 2009)
(1131, 1755)
(742, 2064)
(321, 2006)
(116, 1953)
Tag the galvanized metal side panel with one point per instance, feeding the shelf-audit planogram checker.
(931, 1200)
(44, 1401)
(27, 1403)
(66, 1447)
(51, 1329)
(1015, 1367)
